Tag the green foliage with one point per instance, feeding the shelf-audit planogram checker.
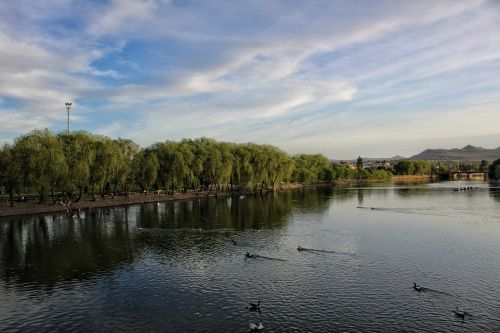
(439, 167)
(79, 161)
(10, 171)
(311, 168)
(42, 160)
(409, 167)
(483, 167)
(145, 169)
(494, 170)
(359, 163)
(343, 172)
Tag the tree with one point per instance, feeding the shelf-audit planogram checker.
(10, 171)
(359, 163)
(79, 154)
(103, 164)
(42, 160)
(121, 174)
(145, 169)
(494, 170)
(310, 168)
(483, 167)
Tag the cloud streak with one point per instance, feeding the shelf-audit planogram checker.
(321, 76)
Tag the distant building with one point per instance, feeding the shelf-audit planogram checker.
(348, 164)
(386, 165)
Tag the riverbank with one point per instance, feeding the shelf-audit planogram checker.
(33, 208)
(413, 177)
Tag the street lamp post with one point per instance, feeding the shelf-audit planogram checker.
(68, 106)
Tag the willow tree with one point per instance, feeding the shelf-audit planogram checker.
(279, 166)
(311, 168)
(105, 158)
(165, 153)
(183, 165)
(145, 169)
(494, 170)
(78, 148)
(121, 173)
(42, 160)
(10, 171)
(242, 170)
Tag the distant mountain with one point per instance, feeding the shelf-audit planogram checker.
(394, 158)
(467, 153)
(372, 159)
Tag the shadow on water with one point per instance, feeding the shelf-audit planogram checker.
(304, 249)
(43, 251)
(494, 190)
(270, 211)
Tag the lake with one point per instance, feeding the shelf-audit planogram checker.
(173, 267)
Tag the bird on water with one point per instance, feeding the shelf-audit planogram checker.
(459, 314)
(253, 306)
(256, 327)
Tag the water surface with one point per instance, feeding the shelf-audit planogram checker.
(173, 267)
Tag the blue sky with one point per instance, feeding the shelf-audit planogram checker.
(342, 78)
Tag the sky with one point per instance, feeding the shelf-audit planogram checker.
(337, 77)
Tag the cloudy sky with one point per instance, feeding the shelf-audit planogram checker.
(343, 78)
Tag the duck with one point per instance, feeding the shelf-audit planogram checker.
(256, 327)
(416, 288)
(458, 313)
(253, 306)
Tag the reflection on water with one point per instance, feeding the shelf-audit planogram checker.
(182, 267)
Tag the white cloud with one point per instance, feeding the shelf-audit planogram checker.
(323, 70)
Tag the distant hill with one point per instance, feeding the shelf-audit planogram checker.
(394, 158)
(372, 159)
(467, 153)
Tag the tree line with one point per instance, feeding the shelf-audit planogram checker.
(419, 167)
(80, 163)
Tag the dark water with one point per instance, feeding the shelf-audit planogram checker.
(173, 267)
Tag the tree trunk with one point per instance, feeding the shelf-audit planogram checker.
(80, 190)
(41, 199)
(11, 197)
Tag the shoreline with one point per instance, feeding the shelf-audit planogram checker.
(33, 208)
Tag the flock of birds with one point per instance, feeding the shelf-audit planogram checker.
(465, 188)
(254, 307)
(458, 313)
(255, 327)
